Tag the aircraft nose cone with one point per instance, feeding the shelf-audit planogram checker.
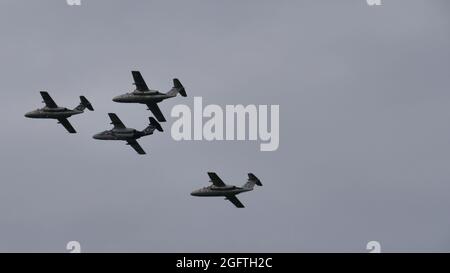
(118, 98)
(194, 193)
(28, 115)
(96, 136)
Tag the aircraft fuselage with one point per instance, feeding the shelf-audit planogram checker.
(219, 191)
(52, 113)
(119, 134)
(152, 96)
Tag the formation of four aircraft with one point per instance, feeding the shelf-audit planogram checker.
(143, 95)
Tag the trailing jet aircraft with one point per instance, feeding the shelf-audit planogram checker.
(53, 111)
(130, 135)
(219, 188)
(142, 94)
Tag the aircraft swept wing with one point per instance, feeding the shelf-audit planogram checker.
(233, 199)
(115, 120)
(67, 125)
(215, 179)
(49, 102)
(136, 146)
(139, 81)
(156, 111)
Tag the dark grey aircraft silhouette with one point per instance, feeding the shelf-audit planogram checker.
(142, 94)
(53, 111)
(130, 135)
(219, 188)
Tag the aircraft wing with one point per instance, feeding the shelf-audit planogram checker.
(136, 146)
(67, 125)
(115, 120)
(49, 102)
(139, 81)
(215, 179)
(233, 199)
(156, 111)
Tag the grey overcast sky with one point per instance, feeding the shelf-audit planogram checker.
(364, 125)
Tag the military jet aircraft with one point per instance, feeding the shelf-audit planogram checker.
(130, 135)
(142, 94)
(219, 188)
(53, 111)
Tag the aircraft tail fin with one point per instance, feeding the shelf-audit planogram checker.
(84, 103)
(252, 181)
(177, 88)
(154, 125)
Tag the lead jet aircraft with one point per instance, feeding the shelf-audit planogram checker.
(142, 94)
(53, 111)
(219, 188)
(130, 135)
